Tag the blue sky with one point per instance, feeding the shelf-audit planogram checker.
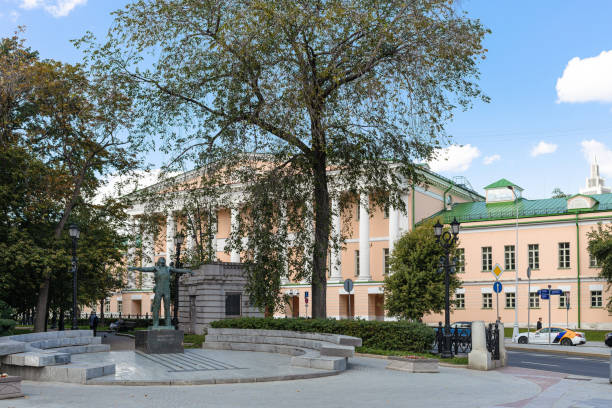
(548, 73)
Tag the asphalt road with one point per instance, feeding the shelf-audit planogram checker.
(576, 365)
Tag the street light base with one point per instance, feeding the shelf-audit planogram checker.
(515, 330)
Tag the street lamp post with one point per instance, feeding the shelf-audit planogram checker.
(74, 232)
(446, 240)
(178, 241)
(515, 329)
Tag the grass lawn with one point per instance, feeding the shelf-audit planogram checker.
(454, 360)
(194, 340)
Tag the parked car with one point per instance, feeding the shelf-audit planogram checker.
(608, 339)
(463, 328)
(558, 335)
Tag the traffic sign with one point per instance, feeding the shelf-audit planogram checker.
(544, 292)
(306, 294)
(348, 285)
(556, 292)
(497, 271)
(545, 296)
(497, 287)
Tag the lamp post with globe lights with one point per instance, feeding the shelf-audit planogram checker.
(446, 240)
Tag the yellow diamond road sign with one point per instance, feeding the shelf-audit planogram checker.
(497, 271)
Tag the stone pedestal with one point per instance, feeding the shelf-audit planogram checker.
(413, 365)
(159, 341)
(10, 387)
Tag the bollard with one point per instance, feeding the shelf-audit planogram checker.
(503, 356)
(479, 358)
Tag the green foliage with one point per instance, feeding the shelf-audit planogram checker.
(303, 87)
(600, 247)
(195, 340)
(6, 312)
(415, 288)
(558, 193)
(6, 327)
(405, 336)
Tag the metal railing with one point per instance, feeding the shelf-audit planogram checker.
(461, 340)
(492, 336)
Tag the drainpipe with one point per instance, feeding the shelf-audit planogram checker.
(412, 229)
(578, 264)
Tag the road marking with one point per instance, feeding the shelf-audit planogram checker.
(542, 364)
(575, 358)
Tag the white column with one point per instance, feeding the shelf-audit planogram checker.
(170, 234)
(234, 255)
(404, 218)
(364, 239)
(393, 227)
(336, 273)
(148, 250)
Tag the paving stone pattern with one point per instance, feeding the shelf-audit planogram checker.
(186, 362)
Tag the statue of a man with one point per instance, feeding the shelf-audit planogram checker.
(162, 289)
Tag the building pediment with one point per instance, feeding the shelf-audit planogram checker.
(581, 201)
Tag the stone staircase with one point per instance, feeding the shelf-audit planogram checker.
(46, 356)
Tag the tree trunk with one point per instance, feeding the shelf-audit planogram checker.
(322, 226)
(102, 311)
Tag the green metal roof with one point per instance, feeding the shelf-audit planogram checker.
(502, 183)
(481, 211)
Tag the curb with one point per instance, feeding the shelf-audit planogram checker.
(383, 357)
(561, 352)
(211, 381)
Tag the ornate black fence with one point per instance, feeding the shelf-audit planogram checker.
(492, 336)
(461, 339)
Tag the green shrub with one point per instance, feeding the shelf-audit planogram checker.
(6, 326)
(6, 311)
(402, 335)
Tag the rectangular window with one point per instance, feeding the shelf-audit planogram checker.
(232, 304)
(510, 300)
(460, 300)
(386, 260)
(593, 261)
(487, 259)
(357, 263)
(563, 300)
(329, 265)
(119, 306)
(487, 300)
(534, 300)
(460, 267)
(386, 212)
(596, 298)
(107, 306)
(534, 256)
(509, 259)
(564, 255)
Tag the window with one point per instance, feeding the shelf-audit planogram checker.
(232, 304)
(509, 261)
(596, 298)
(107, 306)
(386, 212)
(534, 300)
(487, 300)
(460, 300)
(487, 259)
(460, 267)
(119, 306)
(593, 261)
(564, 255)
(534, 256)
(563, 300)
(358, 210)
(510, 300)
(386, 260)
(357, 263)
(329, 265)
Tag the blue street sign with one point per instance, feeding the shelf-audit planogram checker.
(306, 294)
(556, 292)
(545, 296)
(497, 287)
(543, 292)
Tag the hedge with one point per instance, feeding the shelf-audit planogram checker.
(404, 336)
(6, 326)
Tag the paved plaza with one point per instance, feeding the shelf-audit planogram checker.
(365, 384)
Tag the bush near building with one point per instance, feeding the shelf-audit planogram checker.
(402, 335)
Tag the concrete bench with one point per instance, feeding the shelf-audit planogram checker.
(314, 350)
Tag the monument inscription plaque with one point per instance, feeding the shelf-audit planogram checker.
(159, 341)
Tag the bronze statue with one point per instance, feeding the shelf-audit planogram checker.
(161, 289)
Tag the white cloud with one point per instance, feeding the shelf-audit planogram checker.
(543, 148)
(454, 158)
(490, 159)
(594, 150)
(57, 8)
(586, 80)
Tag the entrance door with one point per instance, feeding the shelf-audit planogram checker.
(295, 306)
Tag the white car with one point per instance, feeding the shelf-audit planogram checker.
(557, 335)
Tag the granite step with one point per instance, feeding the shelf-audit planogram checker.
(76, 372)
(8, 346)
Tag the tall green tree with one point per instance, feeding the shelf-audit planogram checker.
(306, 87)
(600, 247)
(415, 287)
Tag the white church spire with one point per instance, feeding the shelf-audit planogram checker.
(595, 184)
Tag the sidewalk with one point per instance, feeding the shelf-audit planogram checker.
(590, 349)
